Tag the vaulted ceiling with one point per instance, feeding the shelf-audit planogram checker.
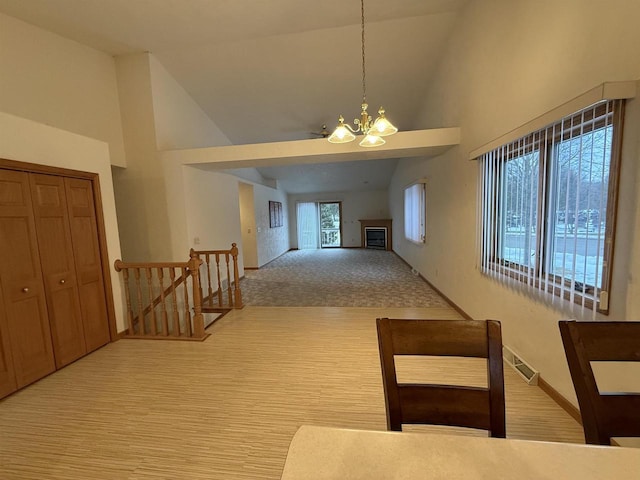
(268, 71)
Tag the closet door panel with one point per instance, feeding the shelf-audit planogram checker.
(26, 319)
(30, 334)
(7, 374)
(58, 267)
(86, 248)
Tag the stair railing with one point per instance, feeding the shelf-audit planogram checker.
(161, 302)
(222, 291)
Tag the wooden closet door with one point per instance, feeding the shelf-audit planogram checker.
(21, 282)
(58, 267)
(86, 249)
(7, 373)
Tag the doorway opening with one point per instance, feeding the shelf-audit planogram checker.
(319, 225)
(330, 224)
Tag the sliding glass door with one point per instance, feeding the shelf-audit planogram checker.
(319, 224)
(330, 224)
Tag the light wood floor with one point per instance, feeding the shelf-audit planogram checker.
(226, 408)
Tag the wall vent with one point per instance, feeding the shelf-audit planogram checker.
(521, 367)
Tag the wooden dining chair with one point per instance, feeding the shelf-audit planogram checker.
(604, 414)
(462, 406)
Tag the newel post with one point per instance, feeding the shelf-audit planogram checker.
(236, 276)
(119, 266)
(198, 319)
(194, 254)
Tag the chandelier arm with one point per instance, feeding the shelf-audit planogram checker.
(353, 130)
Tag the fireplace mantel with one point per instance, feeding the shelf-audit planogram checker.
(376, 222)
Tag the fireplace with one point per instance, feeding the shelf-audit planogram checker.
(375, 237)
(380, 237)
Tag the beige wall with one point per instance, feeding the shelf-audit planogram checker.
(626, 264)
(221, 198)
(140, 190)
(58, 82)
(271, 242)
(151, 194)
(508, 62)
(27, 141)
(179, 120)
(248, 225)
(211, 200)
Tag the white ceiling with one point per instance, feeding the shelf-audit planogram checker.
(269, 70)
(333, 177)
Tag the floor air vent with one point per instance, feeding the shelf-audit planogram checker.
(520, 366)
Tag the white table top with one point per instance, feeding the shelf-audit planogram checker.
(339, 454)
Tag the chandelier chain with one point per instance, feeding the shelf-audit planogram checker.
(364, 85)
(373, 130)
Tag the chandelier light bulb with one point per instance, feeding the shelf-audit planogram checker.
(341, 134)
(382, 126)
(371, 140)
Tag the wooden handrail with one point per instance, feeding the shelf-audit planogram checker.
(119, 265)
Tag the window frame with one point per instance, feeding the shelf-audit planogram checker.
(547, 138)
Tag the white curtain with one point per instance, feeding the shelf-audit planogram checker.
(414, 212)
(308, 226)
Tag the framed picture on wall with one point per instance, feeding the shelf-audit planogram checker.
(275, 214)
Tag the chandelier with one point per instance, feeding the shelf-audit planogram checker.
(373, 131)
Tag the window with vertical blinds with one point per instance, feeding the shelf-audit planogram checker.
(547, 204)
(415, 199)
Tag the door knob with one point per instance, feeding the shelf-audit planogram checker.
(25, 290)
(62, 282)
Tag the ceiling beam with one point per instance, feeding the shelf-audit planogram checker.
(416, 143)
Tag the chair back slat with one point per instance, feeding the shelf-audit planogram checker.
(611, 341)
(617, 406)
(445, 405)
(459, 338)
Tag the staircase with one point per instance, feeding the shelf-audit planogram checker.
(164, 300)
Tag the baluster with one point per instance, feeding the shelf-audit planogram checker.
(229, 294)
(187, 313)
(174, 307)
(194, 254)
(198, 318)
(236, 276)
(141, 326)
(210, 289)
(219, 284)
(163, 306)
(154, 325)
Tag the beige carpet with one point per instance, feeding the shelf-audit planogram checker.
(337, 278)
